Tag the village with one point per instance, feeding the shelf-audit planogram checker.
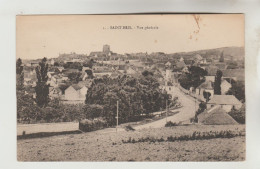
(182, 97)
(70, 75)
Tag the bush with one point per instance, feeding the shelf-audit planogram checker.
(92, 125)
(170, 124)
(93, 111)
(238, 115)
(196, 135)
(129, 128)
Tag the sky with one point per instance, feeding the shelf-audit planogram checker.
(39, 36)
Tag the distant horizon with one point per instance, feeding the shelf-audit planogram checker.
(133, 52)
(48, 35)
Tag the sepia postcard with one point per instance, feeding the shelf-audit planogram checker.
(133, 87)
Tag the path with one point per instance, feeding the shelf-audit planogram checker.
(186, 112)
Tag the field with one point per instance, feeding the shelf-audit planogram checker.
(105, 145)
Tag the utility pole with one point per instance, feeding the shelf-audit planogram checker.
(117, 104)
(166, 109)
(195, 104)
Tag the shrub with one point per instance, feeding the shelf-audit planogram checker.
(194, 136)
(86, 125)
(238, 115)
(92, 125)
(170, 124)
(129, 128)
(93, 110)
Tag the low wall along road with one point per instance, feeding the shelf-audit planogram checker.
(46, 127)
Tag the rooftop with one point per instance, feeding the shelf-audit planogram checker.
(216, 116)
(224, 100)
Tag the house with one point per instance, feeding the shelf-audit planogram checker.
(216, 116)
(235, 74)
(180, 64)
(30, 77)
(212, 70)
(168, 75)
(210, 78)
(189, 62)
(225, 85)
(75, 93)
(221, 66)
(206, 86)
(100, 74)
(55, 92)
(185, 69)
(52, 62)
(167, 87)
(115, 74)
(97, 54)
(197, 57)
(168, 64)
(226, 102)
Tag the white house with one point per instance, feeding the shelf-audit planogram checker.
(76, 93)
(225, 86)
(206, 86)
(168, 75)
(210, 78)
(52, 62)
(226, 102)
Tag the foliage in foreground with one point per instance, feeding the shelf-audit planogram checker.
(92, 125)
(28, 112)
(129, 128)
(170, 124)
(194, 136)
(239, 115)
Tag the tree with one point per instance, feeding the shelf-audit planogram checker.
(193, 78)
(238, 90)
(27, 111)
(206, 95)
(56, 64)
(147, 73)
(89, 63)
(74, 65)
(221, 59)
(42, 89)
(19, 75)
(89, 73)
(239, 115)
(93, 111)
(137, 96)
(74, 77)
(217, 83)
(202, 108)
(232, 65)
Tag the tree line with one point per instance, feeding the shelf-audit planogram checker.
(138, 97)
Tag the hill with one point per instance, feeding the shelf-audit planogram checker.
(237, 53)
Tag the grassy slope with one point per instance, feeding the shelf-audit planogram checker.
(98, 146)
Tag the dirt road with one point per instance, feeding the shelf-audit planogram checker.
(186, 112)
